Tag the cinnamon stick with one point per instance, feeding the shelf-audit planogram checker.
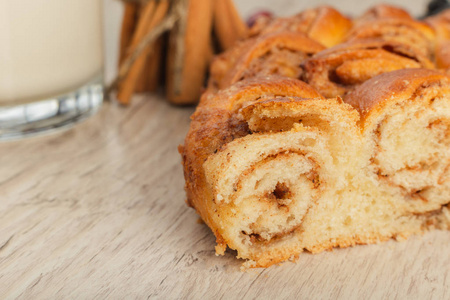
(228, 25)
(152, 14)
(150, 76)
(189, 48)
(154, 70)
(141, 81)
(240, 27)
(127, 30)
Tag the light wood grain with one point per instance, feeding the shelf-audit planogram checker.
(98, 212)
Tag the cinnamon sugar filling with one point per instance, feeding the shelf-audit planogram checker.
(278, 61)
(284, 205)
(413, 180)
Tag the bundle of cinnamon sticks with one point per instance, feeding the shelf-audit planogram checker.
(171, 43)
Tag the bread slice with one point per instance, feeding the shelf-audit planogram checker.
(405, 118)
(274, 168)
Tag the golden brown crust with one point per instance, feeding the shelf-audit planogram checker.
(405, 117)
(401, 84)
(281, 113)
(210, 129)
(339, 69)
(382, 11)
(277, 53)
(249, 123)
(214, 124)
(418, 35)
(391, 46)
(233, 98)
(441, 25)
(315, 23)
(321, 31)
(443, 55)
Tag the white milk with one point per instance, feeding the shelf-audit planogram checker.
(48, 47)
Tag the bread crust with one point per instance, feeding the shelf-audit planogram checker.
(231, 66)
(404, 110)
(383, 11)
(418, 35)
(441, 25)
(215, 123)
(337, 70)
(315, 23)
(274, 165)
(373, 94)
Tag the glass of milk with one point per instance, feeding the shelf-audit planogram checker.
(51, 64)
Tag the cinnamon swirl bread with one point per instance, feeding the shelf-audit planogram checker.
(279, 53)
(441, 24)
(405, 122)
(337, 70)
(275, 165)
(383, 11)
(416, 34)
(323, 24)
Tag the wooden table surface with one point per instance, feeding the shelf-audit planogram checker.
(98, 212)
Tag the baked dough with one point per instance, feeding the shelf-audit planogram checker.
(276, 166)
(315, 23)
(277, 53)
(441, 24)
(337, 70)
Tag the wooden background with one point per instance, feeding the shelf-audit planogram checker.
(98, 212)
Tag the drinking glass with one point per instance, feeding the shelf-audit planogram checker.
(51, 64)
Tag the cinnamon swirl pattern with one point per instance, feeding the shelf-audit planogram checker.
(405, 117)
(296, 147)
(415, 34)
(337, 70)
(279, 53)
